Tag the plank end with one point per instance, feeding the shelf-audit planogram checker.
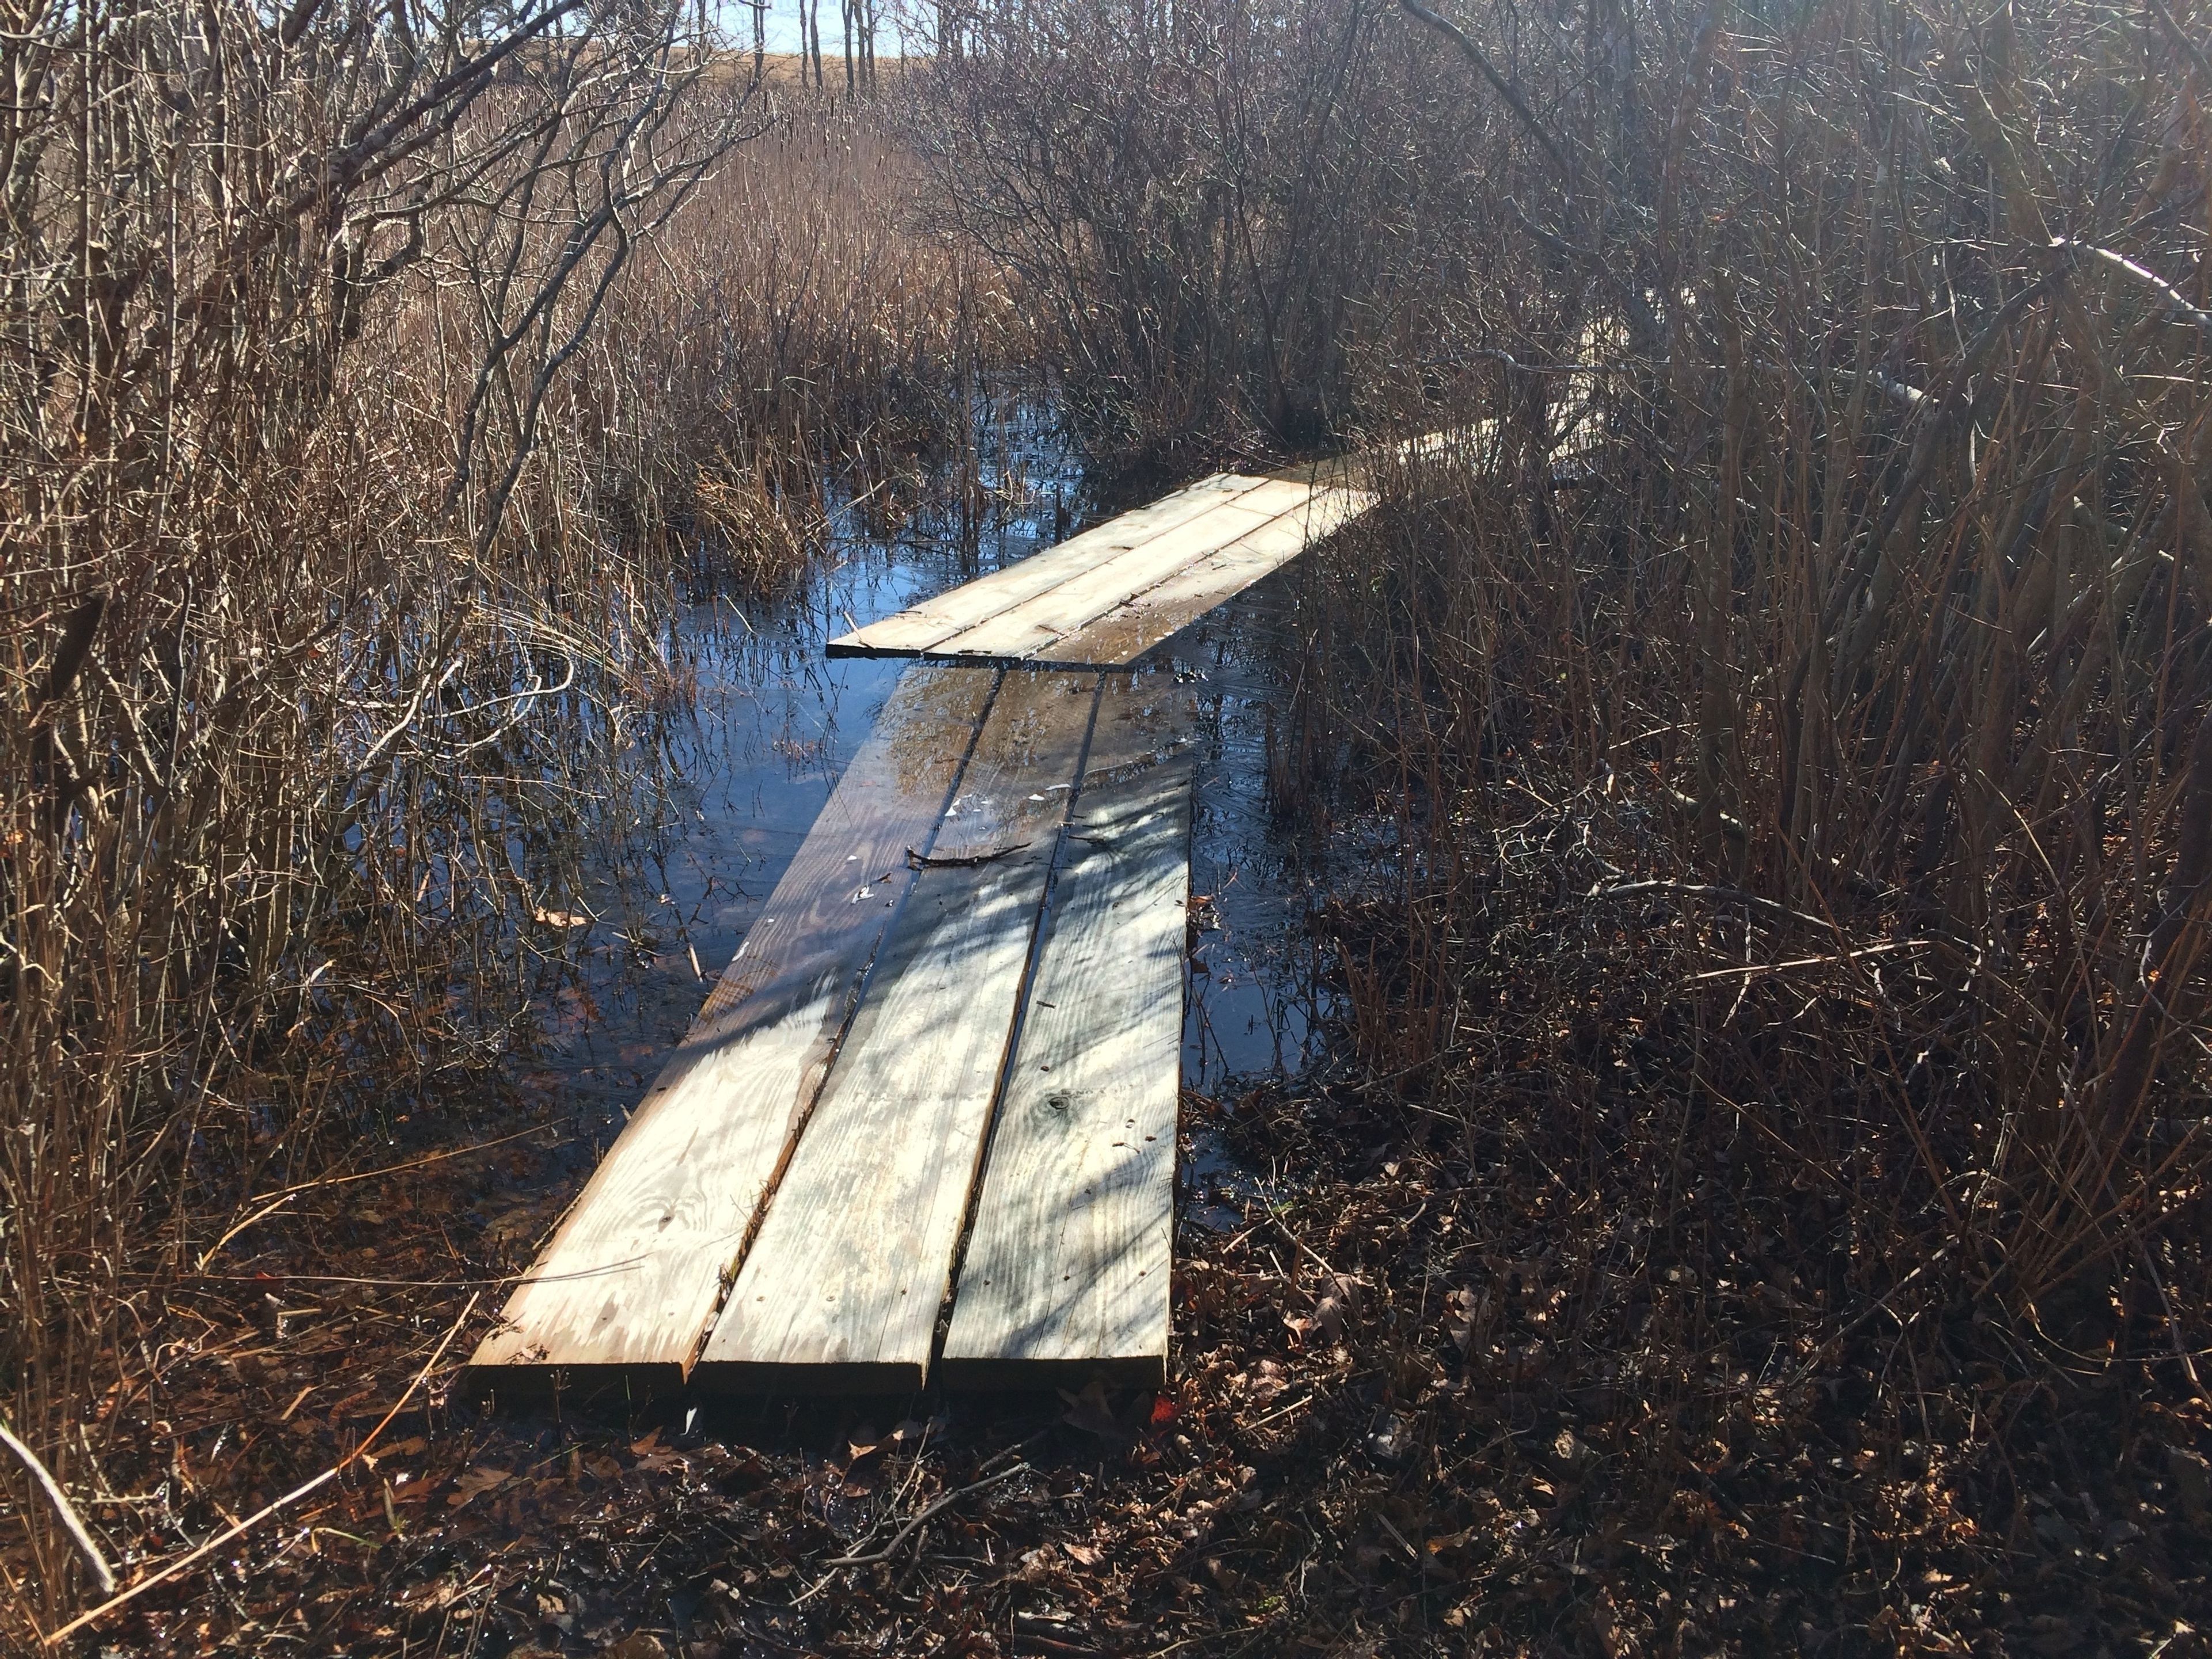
(977, 1373)
(841, 1378)
(503, 1386)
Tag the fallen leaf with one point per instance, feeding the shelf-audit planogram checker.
(475, 1482)
(1335, 1304)
(1572, 1455)
(1463, 1312)
(1089, 1411)
(654, 1458)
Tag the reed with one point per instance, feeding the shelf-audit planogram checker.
(1813, 607)
(366, 390)
(1794, 671)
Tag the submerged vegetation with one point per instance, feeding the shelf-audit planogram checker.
(1759, 764)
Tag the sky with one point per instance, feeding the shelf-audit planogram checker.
(783, 26)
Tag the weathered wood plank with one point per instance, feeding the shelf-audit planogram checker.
(919, 627)
(1135, 626)
(1066, 1271)
(843, 1288)
(1032, 628)
(627, 1285)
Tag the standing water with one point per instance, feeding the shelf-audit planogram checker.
(773, 722)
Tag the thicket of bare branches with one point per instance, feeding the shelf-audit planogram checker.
(1878, 577)
(1228, 212)
(1823, 557)
(290, 606)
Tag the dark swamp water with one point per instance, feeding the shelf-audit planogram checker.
(741, 775)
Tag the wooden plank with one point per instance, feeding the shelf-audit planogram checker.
(624, 1290)
(843, 1288)
(1067, 1272)
(1134, 627)
(920, 626)
(1032, 628)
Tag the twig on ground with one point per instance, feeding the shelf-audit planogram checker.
(956, 861)
(1318, 1260)
(290, 1497)
(919, 1521)
(64, 1508)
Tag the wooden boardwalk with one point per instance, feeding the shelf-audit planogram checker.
(944, 1066)
(1104, 599)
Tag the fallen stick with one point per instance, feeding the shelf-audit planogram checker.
(1013, 1451)
(62, 1507)
(957, 861)
(267, 1510)
(928, 1514)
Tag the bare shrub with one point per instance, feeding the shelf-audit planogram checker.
(1819, 560)
(1223, 208)
(289, 613)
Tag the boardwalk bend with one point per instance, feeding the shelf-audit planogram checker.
(944, 1065)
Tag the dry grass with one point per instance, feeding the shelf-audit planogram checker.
(332, 612)
(799, 317)
(1762, 1194)
(1881, 654)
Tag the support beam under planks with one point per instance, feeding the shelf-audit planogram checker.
(1066, 1271)
(625, 1289)
(842, 1289)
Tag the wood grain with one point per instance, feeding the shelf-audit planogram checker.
(625, 1288)
(1066, 1271)
(1141, 622)
(918, 628)
(1031, 629)
(842, 1288)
